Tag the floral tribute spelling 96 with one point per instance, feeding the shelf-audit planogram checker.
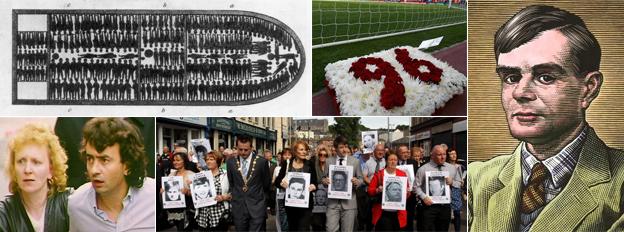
(400, 81)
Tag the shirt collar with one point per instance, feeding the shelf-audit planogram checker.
(559, 166)
(100, 213)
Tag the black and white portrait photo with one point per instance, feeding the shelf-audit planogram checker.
(297, 193)
(436, 187)
(203, 190)
(393, 191)
(320, 199)
(172, 193)
(296, 188)
(369, 139)
(340, 182)
(394, 194)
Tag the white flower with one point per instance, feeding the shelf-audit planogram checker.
(358, 98)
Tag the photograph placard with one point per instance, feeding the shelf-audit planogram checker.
(320, 199)
(436, 187)
(394, 194)
(409, 169)
(203, 190)
(340, 182)
(297, 193)
(369, 139)
(172, 195)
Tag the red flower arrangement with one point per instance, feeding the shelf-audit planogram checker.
(412, 66)
(393, 93)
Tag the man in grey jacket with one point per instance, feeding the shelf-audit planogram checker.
(341, 213)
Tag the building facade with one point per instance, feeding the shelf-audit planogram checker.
(452, 131)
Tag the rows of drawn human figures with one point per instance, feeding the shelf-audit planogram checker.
(127, 57)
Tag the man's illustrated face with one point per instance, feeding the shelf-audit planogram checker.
(339, 181)
(105, 169)
(296, 189)
(541, 95)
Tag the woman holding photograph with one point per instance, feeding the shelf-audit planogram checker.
(384, 219)
(298, 218)
(36, 165)
(183, 167)
(215, 217)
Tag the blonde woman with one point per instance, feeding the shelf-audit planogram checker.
(36, 165)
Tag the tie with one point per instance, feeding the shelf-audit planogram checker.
(341, 162)
(244, 167)
(534, 194)
(377, 166)
(440, 167)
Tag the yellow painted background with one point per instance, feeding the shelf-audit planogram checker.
(487, 127)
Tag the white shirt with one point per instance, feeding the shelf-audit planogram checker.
(38, 225)
(344, 160)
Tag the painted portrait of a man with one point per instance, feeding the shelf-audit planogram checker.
(561, 176)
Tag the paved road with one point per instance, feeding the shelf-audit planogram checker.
(271, 224)
(324, 105)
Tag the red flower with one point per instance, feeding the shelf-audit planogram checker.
(412, 66)
(393, 93)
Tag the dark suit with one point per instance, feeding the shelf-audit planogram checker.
(249, 208)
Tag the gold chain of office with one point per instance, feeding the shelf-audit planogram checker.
(253, 167)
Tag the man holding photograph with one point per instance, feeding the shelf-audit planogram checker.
(341, 213)
(119, 197)
(435, 217)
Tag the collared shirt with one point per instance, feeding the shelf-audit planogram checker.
(432, 166)
(248, 160)
(369, 171)
(138, 211)
(363, 162)
(560, 168)
(344, 160)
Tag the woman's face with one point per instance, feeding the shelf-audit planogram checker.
(322, 156)
(392, 161)
(211, 162)
(417, 155)
(453, 156)
(32, 168)
(301, 152)
(287, 155)
(178, 162)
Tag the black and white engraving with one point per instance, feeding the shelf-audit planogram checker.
(150, 57)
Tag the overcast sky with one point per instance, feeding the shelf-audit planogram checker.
(371, 122)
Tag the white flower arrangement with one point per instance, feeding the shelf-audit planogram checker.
(356, 97)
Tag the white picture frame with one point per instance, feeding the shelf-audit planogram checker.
(369, 140)
(390, 198)
(203, 190)
(336, 189)
(298, 193)
(172, 196)
(436, 187)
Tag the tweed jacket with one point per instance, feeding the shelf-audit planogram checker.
(592, 200)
